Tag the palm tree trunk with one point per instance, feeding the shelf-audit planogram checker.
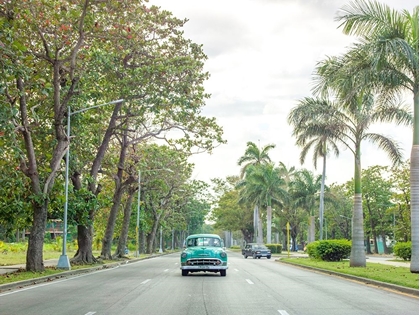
(414, 186)
(269, 215)
(321, 197)
(358, 255)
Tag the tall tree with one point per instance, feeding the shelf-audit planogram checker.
(320, 144)
(305, 189)
(390, 46)
(255, 156)
(349, 126)
(265, 181)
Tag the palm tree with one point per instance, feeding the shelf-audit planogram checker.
(390, 44)
(320, 147)
(305, 188)
(349, 125)
(266, 182)
(254, 156)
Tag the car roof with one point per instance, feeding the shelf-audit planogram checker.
(203, 235)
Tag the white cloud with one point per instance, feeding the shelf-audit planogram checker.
(261, 58)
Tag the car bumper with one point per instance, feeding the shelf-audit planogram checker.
(204, 268)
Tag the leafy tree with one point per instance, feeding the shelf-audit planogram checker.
(389, 51)
(228, 213)
(400, 178)
(377, 200)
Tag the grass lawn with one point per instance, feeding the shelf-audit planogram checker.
(19, 257)
(375, 271)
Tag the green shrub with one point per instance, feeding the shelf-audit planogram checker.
(275, 248)
(235, 247)
(329, 250)
(403, 250)
(311, 250)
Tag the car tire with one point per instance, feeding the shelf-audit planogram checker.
(259, 257)
(223, 273)
(184, 273)
(268, 257)
(245, 256)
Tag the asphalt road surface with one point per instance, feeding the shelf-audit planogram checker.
(156, 287)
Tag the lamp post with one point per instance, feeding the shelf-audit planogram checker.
(138, 206)
(63, 261)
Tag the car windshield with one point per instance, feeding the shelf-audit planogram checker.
(259, 247)
(203, 241)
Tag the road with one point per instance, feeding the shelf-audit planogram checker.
(155, 286)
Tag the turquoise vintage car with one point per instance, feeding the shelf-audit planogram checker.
(204, 252)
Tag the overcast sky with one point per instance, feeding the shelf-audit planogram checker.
(261, 56)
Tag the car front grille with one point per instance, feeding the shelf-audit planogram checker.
(204, 262)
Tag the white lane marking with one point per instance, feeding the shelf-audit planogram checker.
(165, 270)
(236, 269)
(145, 281)
(90, 313)
(249, 281)
(282, 312)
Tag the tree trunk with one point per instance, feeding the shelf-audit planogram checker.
(85, 236)
(109, 231)
(311, 236)
(414, 191)
(269, 217)
(152, 236)
(84, 253)
(122, 241)
(357, 256)
(321, 198)
(34, 254)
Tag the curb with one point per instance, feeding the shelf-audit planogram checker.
(65, 274)
(394, 287)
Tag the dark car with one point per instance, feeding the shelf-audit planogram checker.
(256, 251)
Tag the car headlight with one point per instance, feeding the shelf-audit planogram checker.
(223, 254)
(184, 255)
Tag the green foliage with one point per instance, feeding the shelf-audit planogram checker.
(329, 250)
(236, 247)
(403, 250)
(275, 248)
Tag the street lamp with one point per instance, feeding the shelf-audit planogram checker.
(63, 261)
(138, 206)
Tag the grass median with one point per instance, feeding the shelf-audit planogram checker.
(19, 258)
(374, 271)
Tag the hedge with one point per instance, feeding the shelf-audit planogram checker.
(329, 250)
(403, 250)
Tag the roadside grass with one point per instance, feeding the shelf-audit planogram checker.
(375, 271)
(19, 258)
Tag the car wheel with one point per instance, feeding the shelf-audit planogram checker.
(268, 257)
(259, 257)
(253, 256)
(184, 273)
(245, 256)
(223, 273)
